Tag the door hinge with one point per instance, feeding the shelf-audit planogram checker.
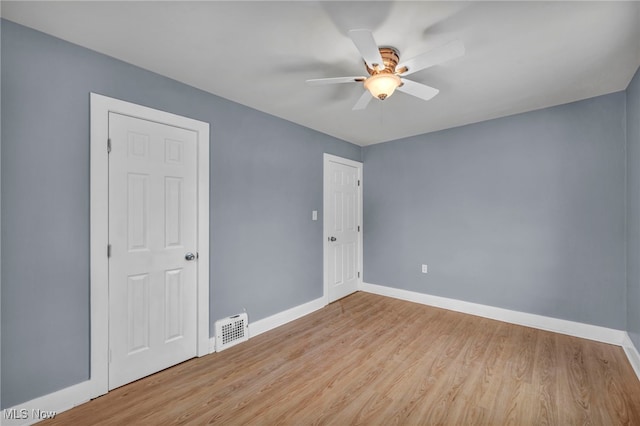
(358, 228)
(358, 182)
(358, 274)
(109, 146)
(108, 250)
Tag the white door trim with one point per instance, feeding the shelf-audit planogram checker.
(99, 232)
(325, 203)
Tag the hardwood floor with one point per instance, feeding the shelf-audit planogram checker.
(372, 360)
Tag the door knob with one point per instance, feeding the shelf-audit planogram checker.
(189, 256)
(332, 238)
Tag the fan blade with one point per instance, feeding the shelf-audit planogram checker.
(363, 101)
(366, 45)
(418, 90)
(334, 80)
(433, 57)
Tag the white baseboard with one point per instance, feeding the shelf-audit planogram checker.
(281, 318)
(276, 320)
(632, 354)
(37, 409)
(571, 328)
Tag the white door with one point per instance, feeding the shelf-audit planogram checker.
(152, 228)
(342, 227)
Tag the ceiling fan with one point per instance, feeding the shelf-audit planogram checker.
(386, 72)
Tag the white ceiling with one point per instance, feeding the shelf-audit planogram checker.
(520, 56)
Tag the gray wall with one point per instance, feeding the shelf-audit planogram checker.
(266, 178)
(633, 209)
(525, 212)
(0, 208)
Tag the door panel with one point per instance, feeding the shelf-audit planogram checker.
(173, 304)
(172, 213)
(138, 313)
(152, 225)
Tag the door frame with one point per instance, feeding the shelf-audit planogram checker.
(328, 158)
(99, 228)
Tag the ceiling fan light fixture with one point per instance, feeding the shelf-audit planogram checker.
(382, 85)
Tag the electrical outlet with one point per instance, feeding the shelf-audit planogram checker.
(424, 269)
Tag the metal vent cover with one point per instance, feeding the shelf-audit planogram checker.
(231, 330)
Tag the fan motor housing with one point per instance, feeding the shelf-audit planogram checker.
(390, 57)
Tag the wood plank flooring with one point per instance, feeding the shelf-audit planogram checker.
(372, 360)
